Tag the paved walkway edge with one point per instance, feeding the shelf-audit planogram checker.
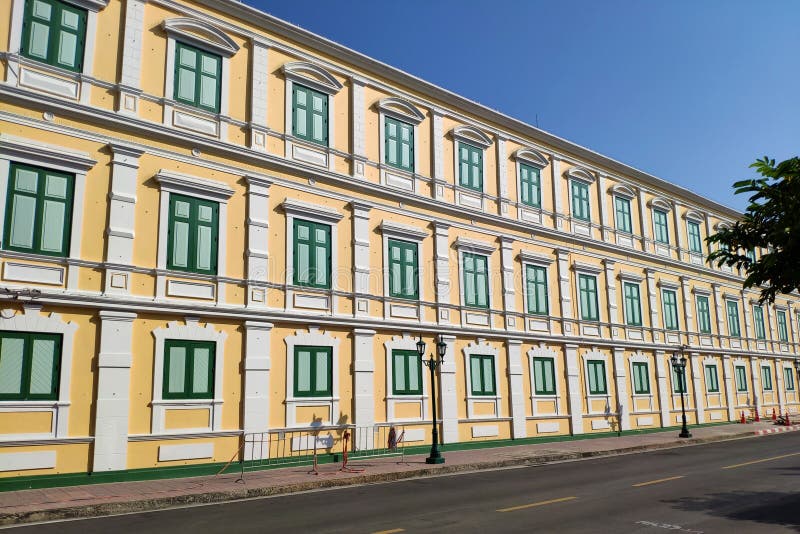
(104, 509)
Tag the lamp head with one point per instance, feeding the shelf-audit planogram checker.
(421, 347)
(441, 349)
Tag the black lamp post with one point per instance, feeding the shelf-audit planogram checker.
(679, 365)
(432, 364)
(797, 367)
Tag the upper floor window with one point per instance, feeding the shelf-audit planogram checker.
(587, 289)
(198, 77)
(536, 286)
(530, 185)
(660, 226)
(193, 237)
(670, 309)
(695, 242)
(622, 214)
(633, 305)
(733, 318)
(38, 210)
(188, 369)
(470, 166)
(758, 319)
(309, 114)
(476, 282)
(312, 254)
(54, 32)
(751, 255)
(703, 315)
(580, 200)
(783, 333)
(399, 144)
(29, 366)
(403, 269)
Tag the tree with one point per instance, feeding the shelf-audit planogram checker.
(772, 222)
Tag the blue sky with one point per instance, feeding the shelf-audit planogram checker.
(690, 91)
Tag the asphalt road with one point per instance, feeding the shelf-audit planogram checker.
(743, 486)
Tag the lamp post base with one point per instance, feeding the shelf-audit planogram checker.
(685, 434)
(434, 460)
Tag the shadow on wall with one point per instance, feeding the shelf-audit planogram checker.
(767, 507)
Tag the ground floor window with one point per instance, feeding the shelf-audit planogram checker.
(712, 379)
(29, 366)
(482, 374)
(741, 378)
(313, 371)
(188, 369)
(597, 377)
(544, 376)
(406, 373)
(641, 380)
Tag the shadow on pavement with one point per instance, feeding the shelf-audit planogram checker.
(768, 507)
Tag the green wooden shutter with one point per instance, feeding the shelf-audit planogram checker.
(312, 254)
(703, 315)
(670, 309)
(641, 380)
(695, 243)
(783, 334)
(633, 308)
(733, 318)
(536, 285)
(54, 32)
(623, 212)
(198, 77)
(193, 234)
(12, 365)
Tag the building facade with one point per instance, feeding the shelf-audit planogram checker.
(218, 224)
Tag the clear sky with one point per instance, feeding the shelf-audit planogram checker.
(692, 91)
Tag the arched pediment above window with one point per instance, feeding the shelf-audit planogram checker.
(313, 76)
(722, 225)
(579, 173)
(660, 203)
(400, 109)
(622, 191)
(694, 215)
(534, 157)
(91, 5)
(198, 33)
(471, 135)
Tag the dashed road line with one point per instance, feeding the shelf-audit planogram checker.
(659, 481)
(534, 504)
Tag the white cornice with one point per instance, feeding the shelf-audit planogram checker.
(45, 153)
(305, 209)
(526, 256)
(474, 245)
(402, 231)
(661, 203)
(192, 185)
(400, 109)
(471, 135)
(667, 284)
(627, 276)
(200, 34)
(91, 5)
(534, 157)
(623, 191)
(313, 76)
(586, 268)
(578, 173)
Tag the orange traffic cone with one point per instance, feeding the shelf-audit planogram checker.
(787, 419)
(757, 419)
(743, 421)
(774, 415)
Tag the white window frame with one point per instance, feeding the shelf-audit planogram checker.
(766, 365)
(709, 361)
(631, 278)
(591, 270)
(191, 331)
(483, 248)
(32, 320)
(404, 342)
(318, 79)
(171, 182)
(697, 218)
(623, 191)
(25, 72)
(578, 174)
(401, 110)
(470, 135)
(483, 348)
(206, 37)
(403, 307)
(639, 357)
(313, 338)
(666, 206)
(664, 285)
(532, 158)
(536, 260)
(23, 150)
(593, 355)
(712, 312)
(543, 351)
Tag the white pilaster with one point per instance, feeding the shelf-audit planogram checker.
(680, 241)
(131, 73)
(361, 258)
(697, 386)
(364, 381)
(719, 313)
(122, 217)
(437, 144)
(113, 391)
(447, 393)
(652, 301)
(259, 93)
(644, 221)
(564, 289)
(664, 393)
(359, 129)
(611, 295)
(605, 227)
(502, 176)
(574, 388)
(256, 388)
(730, 395)
(509, 292)
(688, 309)
(747, 319)
(442, 259)
(755, 373)
(621, 383)
(555, 178)
(780, 386)
(516, 362)
(257, 239)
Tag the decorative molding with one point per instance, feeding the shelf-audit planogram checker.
(586, 268)
(527, 256)
(580, 174)
(474, 245)
(623, 191)
(482, 347)
(185, 184)
(314, 338)
(316, 77)
(661, 203)
(471, 135)
(401, 109)
(43, 154)
(201, 34)
(305, 210)
(402, 231)
(532, 157)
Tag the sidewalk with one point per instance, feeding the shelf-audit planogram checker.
(114, 498)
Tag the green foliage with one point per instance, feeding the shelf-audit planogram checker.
(772, 222)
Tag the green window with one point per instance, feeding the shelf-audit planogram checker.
(193, 235)
(766, 378)
(536, 285)
(38, 210)
(622, 207)
(398, 144)
(695, 243)
(530, 185)
(313, 371)
(403, 270)
(758, 319)
(597, 377)
(712, 380)
(788, 378)
(783, 334)
(309, 114)
(406, 373)
(198, 76)
(703, 315)
(633, 305)
(470, 166)
(678, 380)
(660, 227)
(476, 281)
(580, 200)
(751, 255)
(741, 379)
(733, 319)
(670, 309)
(587, 287)
(189, 369)
(641, 379)
(54, 32)
(544, 376)
(312, 254)
(29, 366)
(481, 369)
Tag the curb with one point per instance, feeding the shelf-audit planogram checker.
(104, 509)
(776, 430)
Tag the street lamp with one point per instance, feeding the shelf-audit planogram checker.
(797, 367)
(432, 364)
(679, 365)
